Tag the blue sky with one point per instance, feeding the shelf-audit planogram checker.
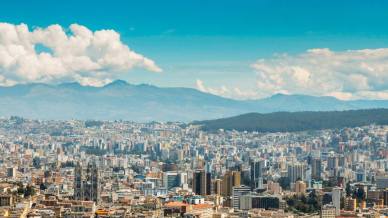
(218, 41)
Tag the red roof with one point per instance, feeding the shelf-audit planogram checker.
(175, 204)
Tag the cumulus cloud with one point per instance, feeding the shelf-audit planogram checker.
(347, 74)
(77, 54)
(216, 91)
(225, 91)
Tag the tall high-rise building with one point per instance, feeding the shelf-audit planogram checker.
(87, 183)
(202, 182)
(332, 162)
(257, 172)
(385, 197)
(217, 186)
(336, 199)
(78, 182)
(341, 160)
(296, 172)
(208, 183)
(316, 168)
(230, 179)
(92, 186)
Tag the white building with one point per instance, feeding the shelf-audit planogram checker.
(328, 211)
(237, 192)
(336, 198)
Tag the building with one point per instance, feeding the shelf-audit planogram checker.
(300, 187)
(245, 202)
(361, 175)
(316, 168)
(11, 172)
(6, 200)
(257, 172)
(250, 201)
(385, 197)
(87, 183)
(382, 182)
(208, 183)
(274, 187)
(341, 160)
(217, 187)
(350, 204)
(332, 162)
(266, 202)
(328, 211)
(170, 180)
(174, 179)
(200, 210)
(230, 179)
(78, 182)
(239, 191)
(175, 209)
(295, 171)
(336, 199)
(202, 182)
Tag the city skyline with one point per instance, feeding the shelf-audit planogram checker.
(194, 109)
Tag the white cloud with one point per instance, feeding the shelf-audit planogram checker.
(348, 74)
(79, 54)
(225, 91)
(218, 91)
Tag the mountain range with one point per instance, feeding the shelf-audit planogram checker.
(120, 100)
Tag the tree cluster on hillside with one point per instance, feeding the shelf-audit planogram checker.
(297, 121)
(26, 191)
(304, 204)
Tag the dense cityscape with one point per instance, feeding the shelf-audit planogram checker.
(194, 109)
(125, 169)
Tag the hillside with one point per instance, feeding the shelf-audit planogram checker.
(298, 121)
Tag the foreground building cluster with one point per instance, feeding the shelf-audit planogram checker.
(125, 169)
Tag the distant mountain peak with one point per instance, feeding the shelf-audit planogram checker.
(279, 95)
(70, 85)
(118, 82)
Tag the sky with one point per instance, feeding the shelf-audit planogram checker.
(237, 49)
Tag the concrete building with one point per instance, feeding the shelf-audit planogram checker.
(382, 182)
(239, 191)
(295, 171)
(328, 211)
(87, 183)
(257, 172)
(174, 179)
(201, 182)
(230, 179)
(316, 168)
(11, 172)
(300, 187)
(336, 199)
(350, 204)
